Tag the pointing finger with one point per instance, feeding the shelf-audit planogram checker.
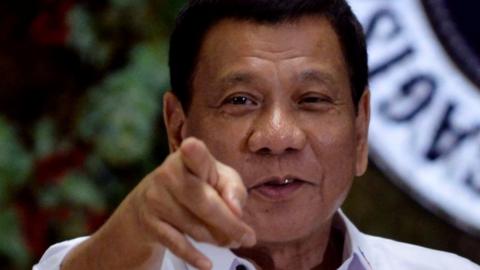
(198, 160)
(206, 203)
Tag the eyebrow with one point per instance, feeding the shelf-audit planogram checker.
(237, 78)
(307, 76)
(316, 76)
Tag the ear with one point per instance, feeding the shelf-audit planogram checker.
(174, 118)
(362, 122)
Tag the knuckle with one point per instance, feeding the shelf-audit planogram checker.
(151, 196)
(234, 228)
(147, 224)
(163, 235)
(229, 170)
(230, 175)
(167, 177)
(207, 205)
(199, 233)
(234, 231)
(182, 248)
(164, 173)
(235, 178)
(164, 238)
(156, 203)
(222, 240)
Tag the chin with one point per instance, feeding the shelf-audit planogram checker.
(277, 230)
(286, 223)
(270, 238)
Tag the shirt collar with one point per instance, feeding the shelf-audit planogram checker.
(353, 256)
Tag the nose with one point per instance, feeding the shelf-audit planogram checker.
(276, 132)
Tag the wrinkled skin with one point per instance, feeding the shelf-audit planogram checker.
(269, 102)
(289, 125)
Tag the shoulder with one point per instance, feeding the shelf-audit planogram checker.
(384, 253)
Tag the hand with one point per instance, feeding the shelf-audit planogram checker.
(190, 194)
(193, 194)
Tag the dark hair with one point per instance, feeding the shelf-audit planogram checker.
(198, 16)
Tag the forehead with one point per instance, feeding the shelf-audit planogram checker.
(310, 32)
(308, 42)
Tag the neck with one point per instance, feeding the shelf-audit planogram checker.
(320, 251)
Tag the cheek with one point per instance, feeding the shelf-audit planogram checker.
(333, 144)
(224, 137)
(335, 152)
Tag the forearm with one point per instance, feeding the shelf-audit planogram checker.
(115, 246)
(105, 254)
(167, 207)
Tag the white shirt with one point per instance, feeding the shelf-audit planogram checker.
(361, 252)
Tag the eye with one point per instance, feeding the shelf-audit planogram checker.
(314, 101)
(239, 104)
(311, 100)
(240, 100)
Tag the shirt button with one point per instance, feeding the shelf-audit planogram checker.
(241, 267)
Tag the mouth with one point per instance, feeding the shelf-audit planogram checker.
(278, 189)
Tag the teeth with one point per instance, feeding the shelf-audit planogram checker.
(287, 181)
(281, 182)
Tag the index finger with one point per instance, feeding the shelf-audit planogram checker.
(198, 160)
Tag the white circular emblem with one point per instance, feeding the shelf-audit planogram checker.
(425, 129)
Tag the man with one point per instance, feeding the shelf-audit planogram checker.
(267, 124)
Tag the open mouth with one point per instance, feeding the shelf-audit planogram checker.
(278, 189)
(280, 183)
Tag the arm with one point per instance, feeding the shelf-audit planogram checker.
(191, 194)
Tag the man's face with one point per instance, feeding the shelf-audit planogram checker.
(274, 103)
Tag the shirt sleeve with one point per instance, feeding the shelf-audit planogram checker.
(53, 257)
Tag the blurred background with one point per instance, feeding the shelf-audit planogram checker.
(80, 124)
